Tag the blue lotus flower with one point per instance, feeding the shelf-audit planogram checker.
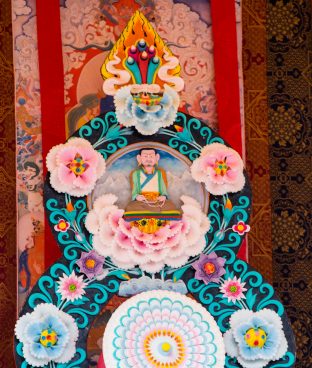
(255, 338)
(47, 334)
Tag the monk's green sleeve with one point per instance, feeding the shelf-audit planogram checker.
(136, 189)
(161, 185)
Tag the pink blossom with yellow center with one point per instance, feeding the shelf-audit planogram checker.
(62, 226)
(71, 287)
(75, 167)
(220, 168)
(233, 289)
(241, 228)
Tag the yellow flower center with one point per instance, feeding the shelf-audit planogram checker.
(209, 268)
(62, 225)
(166, 347)
(90, 263)
(174, 341)
(48, 338)
(72, 287)
(255, 337)
(233, 289)
(221, 167)
(78, 166)
(240, 227)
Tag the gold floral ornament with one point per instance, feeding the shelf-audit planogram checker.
(287, 232)
(284, 126)
(282, 20)
(144, 77)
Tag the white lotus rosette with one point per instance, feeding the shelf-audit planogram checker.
(162, 329)
(127, 246)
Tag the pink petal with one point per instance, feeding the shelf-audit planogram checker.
(231, 175)
(175, 227)
(234, 161)
(152, 267)
(178, 250)
(159, 255)
(207, 161)
(139, 246)
(177, 261)
(197, 171)
(66, 155)
(51, 159)
(173, 240)
(186, 225)
(139, 235)
(125, 227)
(90, 156)
(114, 218)
(160, 235)
(65, 175)
(86, 179)
(121, 254)
(107, 234)
(123, 240)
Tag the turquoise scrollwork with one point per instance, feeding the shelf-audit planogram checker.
(287, 361)
(183, 139)
(74, 239)
(259, 294)
(80, 357)
(111, 134)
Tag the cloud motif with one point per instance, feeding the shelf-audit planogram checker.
(146, 119)
(145, 283)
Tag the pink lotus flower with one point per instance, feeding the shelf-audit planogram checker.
(233, 289)
(241, 228)
(62, 226)
(71, 287)
(127, 246)
(75, 167)
(220, 168)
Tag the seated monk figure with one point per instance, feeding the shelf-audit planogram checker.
(150, 207)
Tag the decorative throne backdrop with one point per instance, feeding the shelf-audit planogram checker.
(277, 78)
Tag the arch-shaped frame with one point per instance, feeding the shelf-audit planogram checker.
(107, 136)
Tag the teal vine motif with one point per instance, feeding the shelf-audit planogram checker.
(79, 358)
(219, 238)
(75, 214)
(287, 361)
(183, 139)
(81, 354)
(259, 295)
(111, 133)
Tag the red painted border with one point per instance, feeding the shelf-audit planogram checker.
(226, 76)
(226, 71)
(52, 93)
